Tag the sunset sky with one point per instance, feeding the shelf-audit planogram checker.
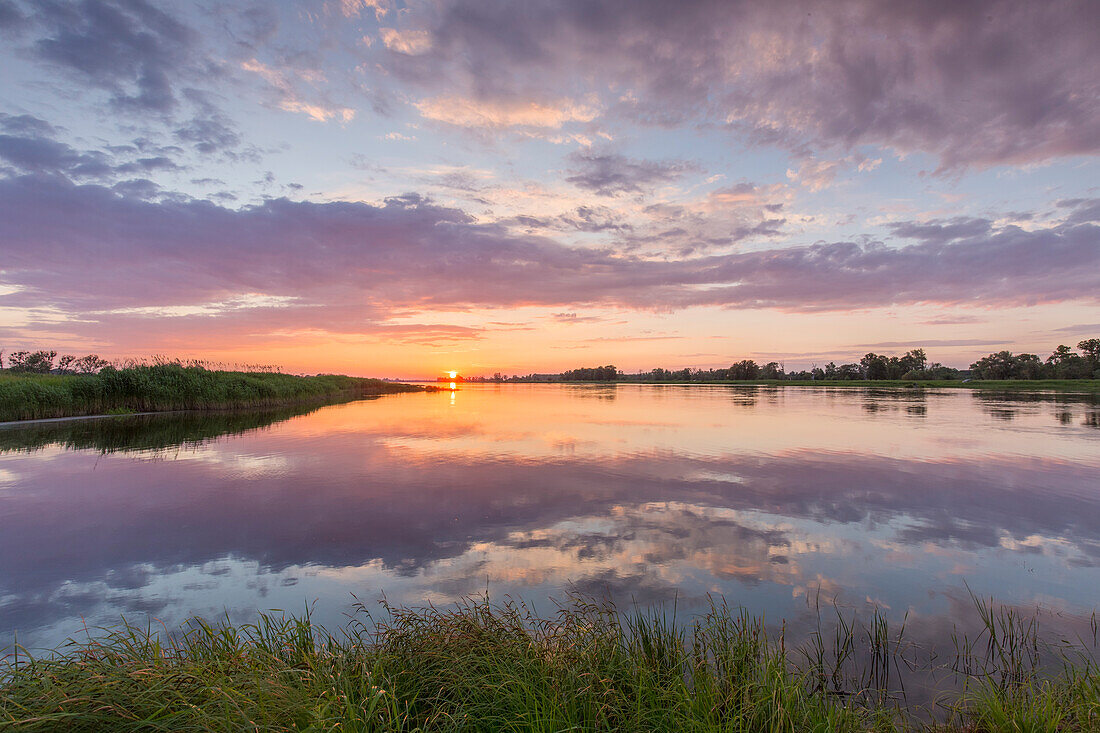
(403, 188)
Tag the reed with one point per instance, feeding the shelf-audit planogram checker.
(172, 386)
(489, 667)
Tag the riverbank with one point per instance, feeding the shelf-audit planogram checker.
(165, 387)
(997, 385)
(482, 667)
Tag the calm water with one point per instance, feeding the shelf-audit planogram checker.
(772, 498)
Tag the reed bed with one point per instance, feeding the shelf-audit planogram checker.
(172, 386)
(501, 667)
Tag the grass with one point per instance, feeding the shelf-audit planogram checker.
(483, 667)
(171, 386)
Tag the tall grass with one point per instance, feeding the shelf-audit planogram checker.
(484, 667)
(171, 386)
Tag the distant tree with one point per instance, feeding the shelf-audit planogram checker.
(849, 372)
(1064, 363)
(745, 369)
(771, 370)
(65, 364)
(32, 362)
(1091, 349)
(994, 366)
(875, 366)
(1006, 365)
(914, 360)
(1028, 366)
(591, 374)
(1061, 355)
(89, 364)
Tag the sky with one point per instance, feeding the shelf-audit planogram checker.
(392, 188)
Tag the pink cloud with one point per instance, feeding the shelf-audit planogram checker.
(347, 267)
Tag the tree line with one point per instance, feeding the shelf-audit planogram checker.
(1063, 363)
(913, 365)
(46, 361)
(42, 362)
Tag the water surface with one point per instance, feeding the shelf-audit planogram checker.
(774, 498)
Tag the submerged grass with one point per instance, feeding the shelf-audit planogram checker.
(171, 386)
(484, 667)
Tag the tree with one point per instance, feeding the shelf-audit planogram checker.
(745, 369)
(1064, 363)
(849, 372)
(914, 361)
(1006, 365)
(1091, 347)
(32, 362)
(875, 366)
(771, 371)
(1060, 355)
(591, 374)
(1027, 366)
(89, 364)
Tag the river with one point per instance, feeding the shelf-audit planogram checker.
(780, 500)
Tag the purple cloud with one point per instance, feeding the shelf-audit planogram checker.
(975, 84)
(343, 266)
(131, 49)
(32, 149)
(608, 174)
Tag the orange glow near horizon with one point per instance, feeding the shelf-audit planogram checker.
(533, 341)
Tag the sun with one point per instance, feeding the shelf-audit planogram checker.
(453, 374)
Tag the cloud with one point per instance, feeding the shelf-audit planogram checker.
(33, 150)
(591, 219)
(572, 318)
(210, 132)
(496, 114)
(353, 8)
(12, 20)
(289, 97)
(131, 49)
(412, 42)
(922, 343)
(609, 174)
(973, 84)
(351, 263)
(1080, 328)
(815, 175)
(939, 230)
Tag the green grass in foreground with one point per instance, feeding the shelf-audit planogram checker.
(491, 668)
(172, 387)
